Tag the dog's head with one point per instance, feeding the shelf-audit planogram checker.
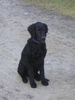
(38, 31)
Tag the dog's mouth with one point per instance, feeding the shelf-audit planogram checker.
(41, 40)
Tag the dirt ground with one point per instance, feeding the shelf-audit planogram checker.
(15, 16)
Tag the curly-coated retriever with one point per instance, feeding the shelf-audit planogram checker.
(31, 65)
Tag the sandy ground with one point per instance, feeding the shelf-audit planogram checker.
(15, 16)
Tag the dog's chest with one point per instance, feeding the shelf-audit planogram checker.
(38, 51)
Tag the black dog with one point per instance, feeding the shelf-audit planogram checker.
(31, 64)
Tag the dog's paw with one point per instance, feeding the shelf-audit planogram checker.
(45, 82)
(47, 79)
(33, 85)
(25, 80)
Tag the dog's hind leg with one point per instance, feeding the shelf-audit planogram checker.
(22, 72)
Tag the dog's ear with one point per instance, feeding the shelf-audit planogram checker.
(31, 29)
(46, 28)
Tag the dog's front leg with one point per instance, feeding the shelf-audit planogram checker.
(44, 81)
(31, 78)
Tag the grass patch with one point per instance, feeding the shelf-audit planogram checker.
(65, 7)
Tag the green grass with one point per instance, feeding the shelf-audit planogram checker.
(65, 7)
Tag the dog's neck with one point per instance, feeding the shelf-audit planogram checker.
(35, 41)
